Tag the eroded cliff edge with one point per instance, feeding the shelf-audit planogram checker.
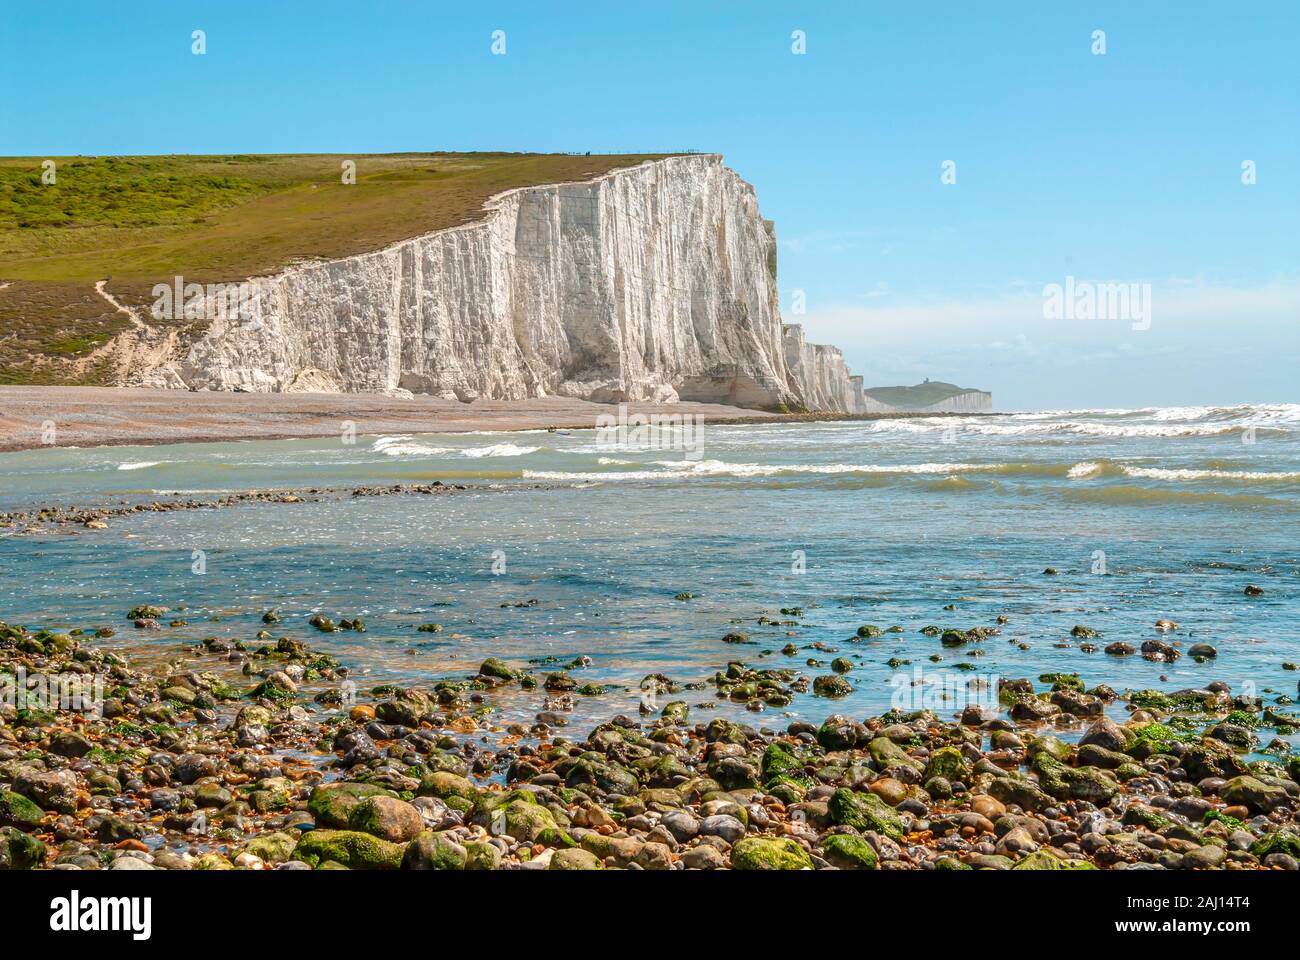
(655, 282)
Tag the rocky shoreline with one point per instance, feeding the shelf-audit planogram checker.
(263, 754)
(55, 516)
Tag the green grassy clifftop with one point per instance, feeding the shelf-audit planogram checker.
(145, 220)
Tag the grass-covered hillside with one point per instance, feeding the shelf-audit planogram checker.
(137, 221)
(918, 395)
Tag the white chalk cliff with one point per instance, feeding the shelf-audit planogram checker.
(654, 282)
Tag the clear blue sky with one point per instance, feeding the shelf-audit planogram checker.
(1117, 168)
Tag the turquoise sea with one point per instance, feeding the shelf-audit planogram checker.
(946, 521)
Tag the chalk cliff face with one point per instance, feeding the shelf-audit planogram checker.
(656, 282)
(972, 401)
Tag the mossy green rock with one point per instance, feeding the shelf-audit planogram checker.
(947, 762)
(17, 811)
(836, 733)
(574, 859)
(272, 847)
(357, 851)
(951, 863)
(482, 856)
(332, 804)
(495, 667)
(1019, 791)
(433, 851)
(18, 851)
(517, 814)
(1140, 815)
(609, 777)
(212, 861)
(1282, 841)
(992, 861)
(1054, 747)
(889, 754)
(1255, 795)
(443, 784)
(849, 852)
(1042, 860)
(765, 853)
(677, 711)
(779, 759)
(1073, 783)
(446, 761)
(1209, 758)
(490, 801)
(864, 811)
(832, 686)
(388, 818)
(787, 790)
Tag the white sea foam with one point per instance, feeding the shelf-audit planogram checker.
(499, 450)
(678, 469)
(140, 464)
(1163, 473)
(1147, 422)
(406, 447)
(1081, 470)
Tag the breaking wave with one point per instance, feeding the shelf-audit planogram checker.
(499, 450)
(1152, 422)
(677, 469)
(406, 447)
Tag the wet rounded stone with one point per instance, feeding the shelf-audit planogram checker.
(387, 818)
(574, 859)
(722, 825)
(703, 857)
(682, 825)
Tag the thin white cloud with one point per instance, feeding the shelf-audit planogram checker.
(1205, 341)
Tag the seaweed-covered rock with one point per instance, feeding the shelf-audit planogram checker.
(499, 669)
(443, 784)
(434, 851)
(832, 686)
(1286, 841)
(18, 851)
(1019, 791)
(1073, 783)
(849, 852)
(332, 804)
(1042, 860)
(1255, 795)
(349, 848)
(865, 811)
(18, 811)
(574, 858)
(387, 818)
(838, 732)
(272, 847)
(947, 763)
(766, 853)
(890, 755)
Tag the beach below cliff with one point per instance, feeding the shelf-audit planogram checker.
(110, 416)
